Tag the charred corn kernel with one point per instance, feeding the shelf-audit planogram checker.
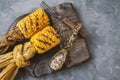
(45, 39)
(33, 23)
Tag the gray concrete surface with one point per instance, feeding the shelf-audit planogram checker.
(101, 19)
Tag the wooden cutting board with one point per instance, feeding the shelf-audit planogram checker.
(78, 52)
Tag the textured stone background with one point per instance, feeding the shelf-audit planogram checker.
(101, 19)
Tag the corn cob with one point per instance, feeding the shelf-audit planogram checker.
(45, 39)
(42, 41)
(33, 23)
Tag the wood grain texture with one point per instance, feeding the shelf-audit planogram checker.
(100, 18)
(78, 53)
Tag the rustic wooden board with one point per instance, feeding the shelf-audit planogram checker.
(40, 63)
(77, 54)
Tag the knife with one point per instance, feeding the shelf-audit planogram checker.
(52, 12)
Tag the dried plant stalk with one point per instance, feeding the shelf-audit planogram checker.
(19, 57)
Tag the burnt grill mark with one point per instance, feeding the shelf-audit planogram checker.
(45, 42)
(48, 37)
(37, 19)
(44, 35)
(31, 21)
(25, 27)
(53, 33)
(51, 40)
(36, 16)
(40, 47)
(36, 24)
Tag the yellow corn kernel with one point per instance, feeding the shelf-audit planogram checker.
(45, 39)
(33, 23)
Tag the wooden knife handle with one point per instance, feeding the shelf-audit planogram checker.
(69, 23)
(82, 32)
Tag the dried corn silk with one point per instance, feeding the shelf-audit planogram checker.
(45, 39)
(33, 23)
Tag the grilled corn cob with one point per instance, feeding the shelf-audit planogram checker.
(41, 42)
(45, 39)
(33, 23)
